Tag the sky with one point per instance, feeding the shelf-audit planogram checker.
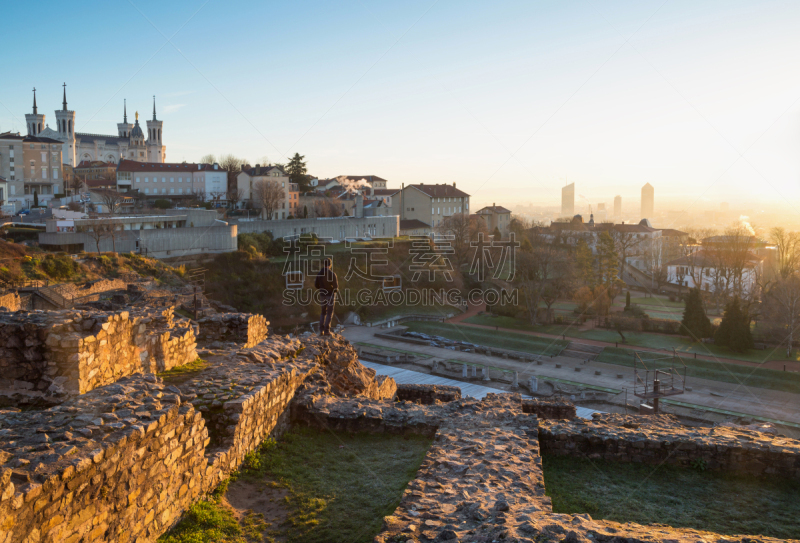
(508, 99)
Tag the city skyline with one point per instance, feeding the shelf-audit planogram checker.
(700, 101)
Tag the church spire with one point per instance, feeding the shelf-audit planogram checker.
(125, 111)
(154, 107)
(35, 112)
(65, 96)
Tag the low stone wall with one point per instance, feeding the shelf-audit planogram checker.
(549, 408)
(233, 327)
(428, 394)
(661, 439)
(76, 351)
(121, 463)
(10, 301)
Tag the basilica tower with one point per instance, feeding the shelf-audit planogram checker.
(65, 121)
(124, 128)
(155, 148)
(34, 121)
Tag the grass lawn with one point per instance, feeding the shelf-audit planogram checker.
(635, 339)
(340, 486)
(651, 301)
(490, 338)
(690, 498)
(384, 312)
(716, 371)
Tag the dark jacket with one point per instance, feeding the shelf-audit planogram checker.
(327, 282)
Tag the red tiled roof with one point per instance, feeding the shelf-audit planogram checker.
(440, 191)
(494, 209)
(133, 166)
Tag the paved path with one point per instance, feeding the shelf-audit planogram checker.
(770, 364)
(403, 376)
(781, 406)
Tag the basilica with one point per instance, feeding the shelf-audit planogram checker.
(130, 143)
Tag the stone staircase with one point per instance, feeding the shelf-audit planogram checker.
(582, 351)
(54, 297)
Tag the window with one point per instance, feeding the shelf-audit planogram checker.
(172, 191)
(171, 179)
(137, 179)
(55, 173)
(44, 157)
(44, 172)
(146, 179)
(163, 179)
(147, 191)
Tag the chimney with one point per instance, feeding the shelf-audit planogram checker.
(359, 205)
(454, 184)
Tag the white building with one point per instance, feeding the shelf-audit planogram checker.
(709, 271)
(130, 143)
(250, 176)
(207, 182)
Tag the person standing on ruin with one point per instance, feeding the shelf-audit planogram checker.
(327, 284)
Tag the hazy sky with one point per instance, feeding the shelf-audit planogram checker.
(508, 99)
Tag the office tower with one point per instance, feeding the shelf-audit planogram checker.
(568, 201)
(647, 201)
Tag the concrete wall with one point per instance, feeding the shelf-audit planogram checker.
(156, 243)
(333, 228)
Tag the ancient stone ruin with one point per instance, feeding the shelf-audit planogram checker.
(107, 450)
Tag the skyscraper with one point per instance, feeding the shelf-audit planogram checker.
(568, 201)
(617, 207)
(647, 201)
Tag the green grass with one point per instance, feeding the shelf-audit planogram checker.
(490, 338)
(635, 339)
(340, 485)
(690, 498)
(750, 376)
(384, 312)
(651, 301)
(208, 521)
(182, 373)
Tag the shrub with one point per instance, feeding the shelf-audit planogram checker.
(162, 204)
(59, 266)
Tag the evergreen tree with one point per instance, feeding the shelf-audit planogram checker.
(608, 264)
(496, 234)
(35, 199)
(734, 330)
(695, 323)
(585, 263)
(296, 168)
(305, 212)
(627, 300)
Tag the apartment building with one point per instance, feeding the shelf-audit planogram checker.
(496, 216)
(430, 204)
(249, 177)
(162, 180)
(32, 168)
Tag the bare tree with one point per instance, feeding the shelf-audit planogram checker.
(267, 196)
(98, 231)
(235, 196)
(234, 167)
(783, 305)
(326, 207)
(111, 199)
(787, 248)
(208, 159)
(543, 273)
(463, 229)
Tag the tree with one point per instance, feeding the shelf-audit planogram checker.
(162, 204)
(541, 273)
(626, 244)
(584, 298)
(326, 207)
(787, 248)
(99, 230)
(608, 265)
(234, 167)
(627, 300)
(782, 300)
(585, 264)
(208, 159)
(267, 196)
(695, 323)
(111, 199)
(305, 212)
(35, 199)
(296, 168)
(496, 235)
(234, 197)
(734, 330)
(462, 229)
